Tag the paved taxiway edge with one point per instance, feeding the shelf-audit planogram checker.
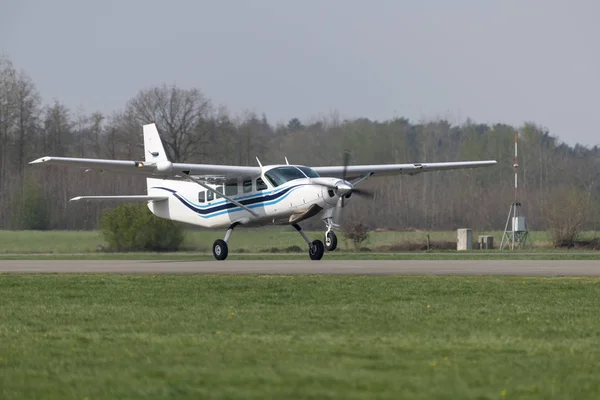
(287, 267)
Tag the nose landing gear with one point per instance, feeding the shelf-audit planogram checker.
(330, 237)
(330, 241)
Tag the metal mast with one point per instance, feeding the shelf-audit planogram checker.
(518, 236)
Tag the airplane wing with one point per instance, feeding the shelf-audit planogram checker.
(355, 171)
(161, 169)
(157, 165)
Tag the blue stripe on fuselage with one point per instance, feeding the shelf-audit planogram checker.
(227, 207)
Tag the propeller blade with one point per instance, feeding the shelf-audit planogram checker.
(364, 193)
(346, 161)
(337, 217)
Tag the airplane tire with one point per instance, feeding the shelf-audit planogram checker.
(220, 249)
(330, 241)
(316, 250)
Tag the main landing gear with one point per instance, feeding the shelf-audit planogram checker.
(330, 237)
(220, 250)
(315, 248)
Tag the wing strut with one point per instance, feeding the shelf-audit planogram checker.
(362, 178)
(237, 203)
(122, 198)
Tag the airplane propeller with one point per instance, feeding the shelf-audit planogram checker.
(352, 189)
(343, 188)
(346, 189)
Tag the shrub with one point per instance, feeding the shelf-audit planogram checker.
(565, 216)
(132, 227)
(357, 232)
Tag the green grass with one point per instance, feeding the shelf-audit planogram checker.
(248, 240)
(120, 336)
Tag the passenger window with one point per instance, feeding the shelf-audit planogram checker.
(247, 186)
(231, 189)
(201, 197)
(261, 185)
(220, 190)
(210, 196)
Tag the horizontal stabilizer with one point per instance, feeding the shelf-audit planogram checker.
(122, 198)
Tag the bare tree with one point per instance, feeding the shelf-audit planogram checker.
(95, 133)
(7, 119)
(566, 214)
(27, 108)
(180, 115)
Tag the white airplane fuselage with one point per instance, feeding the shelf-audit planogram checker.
(273, 205)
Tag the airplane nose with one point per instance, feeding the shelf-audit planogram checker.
(343, 188)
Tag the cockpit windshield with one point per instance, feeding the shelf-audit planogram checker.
(280, 175)
(309, 172)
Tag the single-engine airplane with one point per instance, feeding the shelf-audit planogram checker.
(225, 196)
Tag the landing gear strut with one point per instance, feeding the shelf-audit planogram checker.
(330, 237)
(220, 250)
(315, 248)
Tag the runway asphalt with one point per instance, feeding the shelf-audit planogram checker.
(355, 267)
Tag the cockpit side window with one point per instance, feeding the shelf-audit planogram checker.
(280, 175)
(260, 184)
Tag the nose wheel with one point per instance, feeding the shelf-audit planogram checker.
(330, 241)
(330, 237)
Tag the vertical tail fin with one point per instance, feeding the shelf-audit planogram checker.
(153, 147)
(155, 153)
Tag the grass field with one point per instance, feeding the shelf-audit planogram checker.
(189, 337)
(246, 240)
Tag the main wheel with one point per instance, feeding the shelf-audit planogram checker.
(330, 241)
(220, 250)
(316, 250)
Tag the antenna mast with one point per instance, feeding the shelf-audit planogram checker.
(516, 166)
(519, 235)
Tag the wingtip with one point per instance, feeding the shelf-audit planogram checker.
(75, 199)
(40, 160)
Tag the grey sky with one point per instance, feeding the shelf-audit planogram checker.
(494, 61)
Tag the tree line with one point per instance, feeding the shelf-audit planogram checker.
(555, 179)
